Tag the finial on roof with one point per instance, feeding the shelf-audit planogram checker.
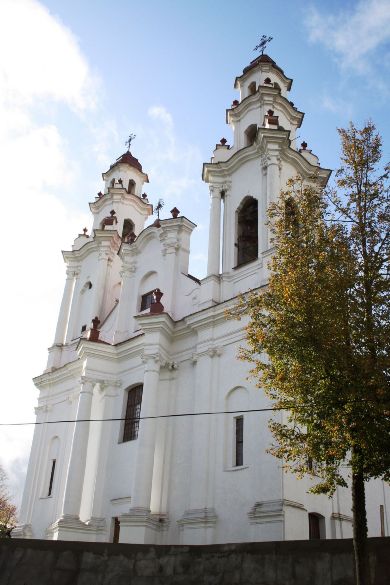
(85, 231)
(157, 307)
(94, 332)
(129, 141)
(175, 212)
(158, 208)
(263, 43)
(304, 145)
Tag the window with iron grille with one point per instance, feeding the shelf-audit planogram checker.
(239, 434)
(146, 300)
(133, 411)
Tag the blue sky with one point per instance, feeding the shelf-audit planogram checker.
(77, 77)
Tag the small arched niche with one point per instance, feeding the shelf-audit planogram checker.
(252, 88)
(247, 230)
(131, 187)
(250, 134)
(87, 286)
(148, 285)
(128, 228)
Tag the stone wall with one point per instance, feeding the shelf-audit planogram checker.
(323, 562)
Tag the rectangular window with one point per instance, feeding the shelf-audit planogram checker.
(146, 300)
(239, 441)
(133, 412)
(53, 467)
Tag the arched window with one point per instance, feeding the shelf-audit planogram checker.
(250, 134)
(252, 88)
(236, 452)
(133, 412)
(128, 228)
(131, 187)
(247, 231)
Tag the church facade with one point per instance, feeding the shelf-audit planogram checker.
(166, 438)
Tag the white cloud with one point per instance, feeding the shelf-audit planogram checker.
(40, 65)
(352, 35)
(337, 106)
(41, 58)
(173, 163)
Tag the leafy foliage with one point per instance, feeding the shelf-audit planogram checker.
(318, 335)
(7, 509)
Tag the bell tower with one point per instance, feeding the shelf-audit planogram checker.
(245, 177)
(93, 266)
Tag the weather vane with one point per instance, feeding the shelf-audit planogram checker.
(129, 141)
(158, 208)
(263, 43)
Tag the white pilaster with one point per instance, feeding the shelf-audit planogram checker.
(108, 391)
(197, 524)
(213, 264)
(76, 467)
(136, 526)
(103, 267)
(273, 184)
(71, 275)
(125, 314)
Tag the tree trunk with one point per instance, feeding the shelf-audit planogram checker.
(359, 529)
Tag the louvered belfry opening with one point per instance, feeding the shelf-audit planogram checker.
(247, 232)
(133, 411)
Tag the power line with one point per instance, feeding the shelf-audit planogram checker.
(177, 415)
(162, 416)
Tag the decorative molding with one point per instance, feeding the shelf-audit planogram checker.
(142, 517)
(198, 518)
(170, 365)
(69, 523)
(73, 272)
(43, 408)
(341, 517)
(214, 351)
(271, 511)
(128, 270)
(22, 531)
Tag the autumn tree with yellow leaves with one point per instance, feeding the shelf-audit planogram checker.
(324, 324)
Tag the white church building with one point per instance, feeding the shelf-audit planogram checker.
(164, 439)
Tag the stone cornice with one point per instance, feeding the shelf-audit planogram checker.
(156, 323)
(256, 100)
(120, 195)
(108, 240)
(169, 227)
(266, 138)
(212, 172)
(125, 167)
(69, 371)
(264, 66)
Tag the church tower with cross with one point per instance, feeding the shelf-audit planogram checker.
(163, 438)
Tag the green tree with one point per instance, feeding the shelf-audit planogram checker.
(323, 323)
(7, 509)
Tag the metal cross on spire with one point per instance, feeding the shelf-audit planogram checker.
(263, 43)
(129, 141)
